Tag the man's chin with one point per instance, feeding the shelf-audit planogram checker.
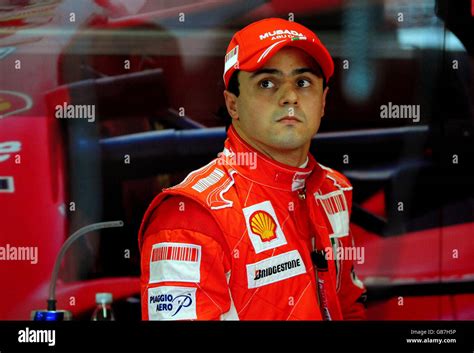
(289, 143)
(292, 135)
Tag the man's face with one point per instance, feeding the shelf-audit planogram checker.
(280, 106)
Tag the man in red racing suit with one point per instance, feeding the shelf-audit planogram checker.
(254, 234)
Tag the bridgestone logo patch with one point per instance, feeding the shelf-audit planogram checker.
(272, 270)
(275, 269)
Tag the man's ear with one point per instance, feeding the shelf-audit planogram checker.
(231, 104)
(323, 103)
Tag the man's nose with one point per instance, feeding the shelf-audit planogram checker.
(289, 96)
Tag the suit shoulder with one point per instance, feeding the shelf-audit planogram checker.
(209, 185)
(336, 179)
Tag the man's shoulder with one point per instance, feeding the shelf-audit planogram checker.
(203, 191)
(335, 179)
(179, 211)
(209, 185)
(179, 217)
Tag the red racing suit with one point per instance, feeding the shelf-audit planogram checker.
(248, 238)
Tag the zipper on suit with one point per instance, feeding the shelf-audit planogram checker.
(320, 265)
(318, 260)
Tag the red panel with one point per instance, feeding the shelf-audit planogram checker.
(445, 307)
(428, 255)
(376, 204)
(463, 306)
(32, 217)
(408, 257)
(458, 252)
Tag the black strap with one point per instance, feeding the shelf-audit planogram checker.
(319, 260)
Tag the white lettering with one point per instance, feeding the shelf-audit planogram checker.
(74, 111)
(352, 253)
(280, 32)
(396, 111)
(14, 253)
(37, 336)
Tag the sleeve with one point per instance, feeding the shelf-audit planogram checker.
(351, 291)
(183, 264)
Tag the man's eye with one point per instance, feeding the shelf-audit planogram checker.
(267, 84)
(304, 83)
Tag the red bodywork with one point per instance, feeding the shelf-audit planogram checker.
(34, 214)
(431, 256)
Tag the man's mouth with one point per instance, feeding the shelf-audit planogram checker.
(289, 119)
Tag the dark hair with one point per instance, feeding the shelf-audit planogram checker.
(233, 86)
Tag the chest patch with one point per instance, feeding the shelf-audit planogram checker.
(275, 269)
(178, 262)
(335, 206)
(263, 227)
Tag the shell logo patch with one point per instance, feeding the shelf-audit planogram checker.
(263, 225)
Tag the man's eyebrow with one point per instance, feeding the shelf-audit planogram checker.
(276, 72)
(304, 70)
(266, 71)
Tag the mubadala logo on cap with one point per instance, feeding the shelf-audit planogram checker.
(281, 33)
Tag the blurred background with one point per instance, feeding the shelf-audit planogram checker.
(151, 72)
